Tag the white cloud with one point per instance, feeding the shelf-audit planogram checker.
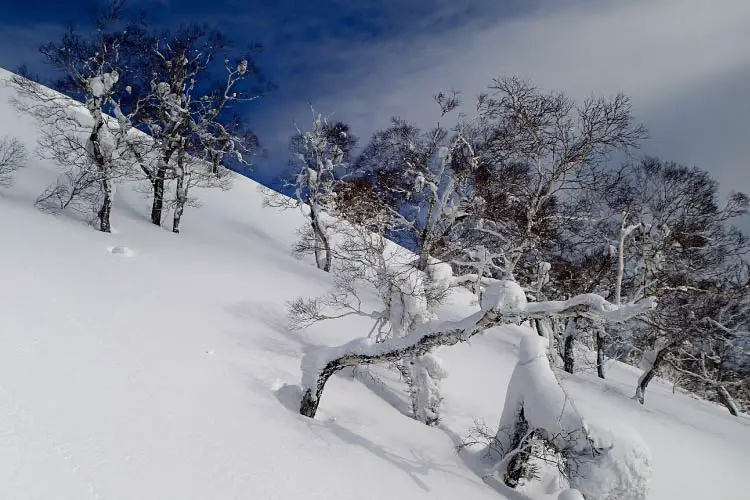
(670, 56)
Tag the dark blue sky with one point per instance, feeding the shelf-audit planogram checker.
(310, 47)
(684, 62)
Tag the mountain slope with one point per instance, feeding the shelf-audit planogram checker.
(147, 365)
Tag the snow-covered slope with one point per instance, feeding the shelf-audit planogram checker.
(147, 365)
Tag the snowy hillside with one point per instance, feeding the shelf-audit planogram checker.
(147, 365)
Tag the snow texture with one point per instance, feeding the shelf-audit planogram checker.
(441, 276)
(570, 494)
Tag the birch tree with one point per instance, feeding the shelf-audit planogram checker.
(321, 158)
(187, 112)
(83, 139)
(548, 146)
(685, 244)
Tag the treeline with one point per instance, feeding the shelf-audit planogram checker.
(524, 189)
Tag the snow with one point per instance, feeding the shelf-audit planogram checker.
(172, 375)
(441, 276)
(622, 473)
(534, 387)
(504, 296)
(102, 85)
(570, 494)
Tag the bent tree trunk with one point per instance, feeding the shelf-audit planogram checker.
(317, 370)
(388, 352)
(649, 374)
(727, 400)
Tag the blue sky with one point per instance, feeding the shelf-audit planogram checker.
(685, 63)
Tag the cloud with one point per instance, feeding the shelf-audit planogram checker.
(684, 63)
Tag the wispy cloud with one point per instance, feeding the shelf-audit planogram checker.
(684, 62)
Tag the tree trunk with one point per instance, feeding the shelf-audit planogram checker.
(538, 328)
(322, 245)
(518, 466)
(600, 341)
(424, 260)
(157, 182)
(395, 350)
(158, 203)
(726, 399)
(568, 360)
(105, 172)
(568, 343)
(420, 345)
(106, 209)
(180, 194)
(648, 375)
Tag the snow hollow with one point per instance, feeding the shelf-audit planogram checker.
(148, 365)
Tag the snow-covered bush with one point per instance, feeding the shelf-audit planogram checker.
(504, 297)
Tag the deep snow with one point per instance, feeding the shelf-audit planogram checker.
(148, 365)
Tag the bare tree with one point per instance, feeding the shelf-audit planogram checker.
(548, 146)
(424, 181)
(682, 249)
(713, 357)
(185, 115)
(83, 138)
(12, 157)
(321, 157)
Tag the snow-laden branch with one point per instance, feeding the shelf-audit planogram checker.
(504, 302)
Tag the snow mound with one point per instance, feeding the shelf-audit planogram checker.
(604, 465)
(504, 296)
(623, 472)
(121, 250)
(570, 494)
(441, 276)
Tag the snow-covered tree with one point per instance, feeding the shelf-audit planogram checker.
(187, 112)
(590, 257)
(423, 179)
(367, 263)
(504, 302)
(534, 150)
(321, 157)
(83, 139)
(543, 438)
(683, 247)
(714, 357)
